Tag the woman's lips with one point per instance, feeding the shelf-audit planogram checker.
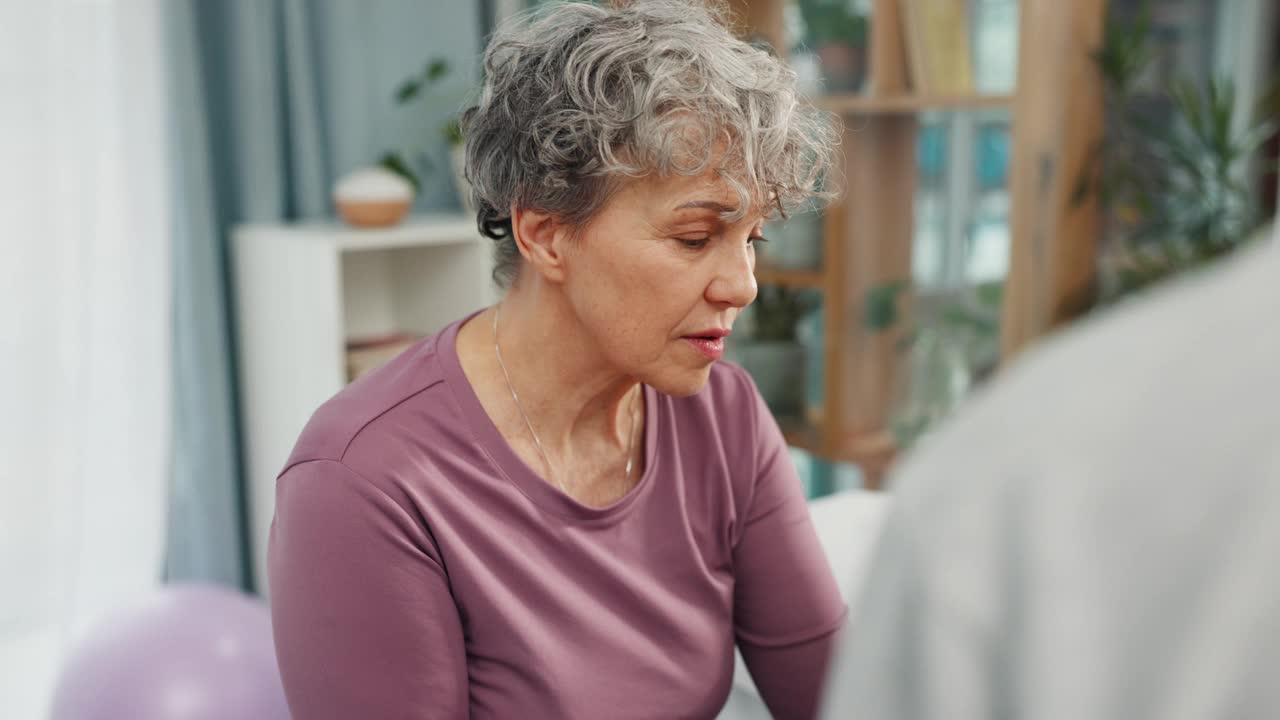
(711, 347)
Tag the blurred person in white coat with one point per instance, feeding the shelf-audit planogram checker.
(1097, 536)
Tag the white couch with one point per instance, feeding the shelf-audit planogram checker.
(848, 526)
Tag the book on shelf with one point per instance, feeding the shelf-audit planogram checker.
(939, 51)
(365, 354)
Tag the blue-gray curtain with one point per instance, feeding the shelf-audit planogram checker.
(273, 101)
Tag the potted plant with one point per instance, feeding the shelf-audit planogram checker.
(952, 344)
(1168, 172)
(771, 351)
(413, 166)
(838, 33)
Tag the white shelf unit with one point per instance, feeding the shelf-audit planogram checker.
(303, 290)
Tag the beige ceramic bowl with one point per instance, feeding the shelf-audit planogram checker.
(373, 197)
(373, 213)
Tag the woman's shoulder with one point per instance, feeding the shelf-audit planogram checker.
(360, 408)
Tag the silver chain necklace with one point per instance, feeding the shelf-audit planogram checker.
(631, 441)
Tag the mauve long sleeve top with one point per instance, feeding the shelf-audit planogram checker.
(419, 569)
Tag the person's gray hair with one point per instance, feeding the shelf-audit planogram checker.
(578, 98)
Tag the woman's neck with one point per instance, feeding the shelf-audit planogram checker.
(567, 389)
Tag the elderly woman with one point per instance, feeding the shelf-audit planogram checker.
(563, 506)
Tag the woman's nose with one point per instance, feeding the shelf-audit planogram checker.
(735, 280)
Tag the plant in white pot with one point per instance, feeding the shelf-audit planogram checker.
(416, 164)
(837, 30)
(770, 350)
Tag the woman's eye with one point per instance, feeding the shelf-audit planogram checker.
(699, 243)
(694, 243)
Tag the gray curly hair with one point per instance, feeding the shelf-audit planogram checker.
(577, 98)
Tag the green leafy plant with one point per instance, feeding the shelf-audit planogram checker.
(1168, 172)
(415, 164)
(970, 317)
(952, 342)
(833, 21)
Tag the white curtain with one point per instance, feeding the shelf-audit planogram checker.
(84, 326)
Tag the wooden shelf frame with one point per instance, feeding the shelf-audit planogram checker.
(901, 104)
(868, 232)
(1059, 120)
(794, 279)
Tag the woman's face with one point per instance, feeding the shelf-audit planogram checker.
(658, 278)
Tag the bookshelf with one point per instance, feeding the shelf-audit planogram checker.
(795, 279)
(307, 291)
(854, 105)
(868, 232)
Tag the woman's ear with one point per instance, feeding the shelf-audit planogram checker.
(541, 239)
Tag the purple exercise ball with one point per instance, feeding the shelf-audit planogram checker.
(189, 652)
